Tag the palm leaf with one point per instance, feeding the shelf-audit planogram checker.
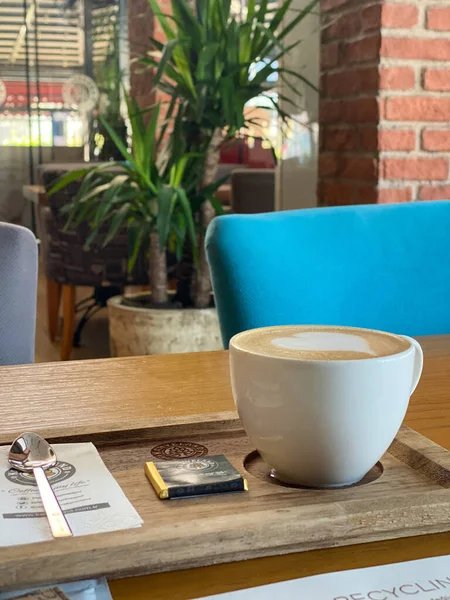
(251, 4)
(116, 223)
(167, 198)
(186, 19)
(162, 65)
(117, 141)
(149, 138)
(67, 178)
(157, 12)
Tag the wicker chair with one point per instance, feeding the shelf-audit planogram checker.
(68, 264)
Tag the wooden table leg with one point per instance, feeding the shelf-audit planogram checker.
(53, 302)
(68, 294)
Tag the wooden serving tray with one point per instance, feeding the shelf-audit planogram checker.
(406, 494)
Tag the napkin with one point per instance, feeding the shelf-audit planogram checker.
(92, 500)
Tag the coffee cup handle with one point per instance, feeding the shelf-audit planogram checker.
(418, 361)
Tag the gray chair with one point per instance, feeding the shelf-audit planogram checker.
(253, 191)
(18, 289)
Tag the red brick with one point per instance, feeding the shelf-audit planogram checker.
(397, 78)
(330, 112)
(434, 192)
(438, 18)
(368, 79)
(362, 110)
(436, 139)
(343, 27)
(394, 195)
(322, 138)
(437, 80)
(417, 108)
(366, 194)
(329, 55)
(339, 139)
(328, 165)
(397, 139)
(348, 83)
(399, 15)
(427, 49)
(337, 193)
(359, 168)
(362, 50)
(371, 17)
(368, 138)
(420, 169)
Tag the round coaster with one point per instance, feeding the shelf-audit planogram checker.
(175, 450)
(255, 465)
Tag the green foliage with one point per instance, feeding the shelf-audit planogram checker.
(136, 193)
(207, 65)
(208, 69)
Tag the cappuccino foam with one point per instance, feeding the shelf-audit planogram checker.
(320, 342)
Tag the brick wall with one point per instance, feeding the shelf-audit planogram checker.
(420, 113)
(140, 28)
(349, 107)
(386, 101)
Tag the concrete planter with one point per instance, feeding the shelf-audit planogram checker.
(137, 331)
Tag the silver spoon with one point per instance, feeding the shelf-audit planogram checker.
(31, 453)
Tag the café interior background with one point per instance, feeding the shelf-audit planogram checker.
(44, 43)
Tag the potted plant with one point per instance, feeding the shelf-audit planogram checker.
(211, 65)
(146, 197)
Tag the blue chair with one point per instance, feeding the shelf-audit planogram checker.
(382, 267)
(18, 289)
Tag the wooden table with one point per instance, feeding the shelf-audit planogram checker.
(114, 394)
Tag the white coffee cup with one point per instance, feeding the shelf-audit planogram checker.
(322, 423)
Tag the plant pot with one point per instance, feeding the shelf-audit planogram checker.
(135, 331)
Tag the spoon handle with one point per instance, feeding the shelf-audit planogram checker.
(57, 520)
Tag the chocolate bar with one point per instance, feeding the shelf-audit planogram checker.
(194, 477)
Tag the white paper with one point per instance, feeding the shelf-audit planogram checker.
(427, 579)
(92, 500)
